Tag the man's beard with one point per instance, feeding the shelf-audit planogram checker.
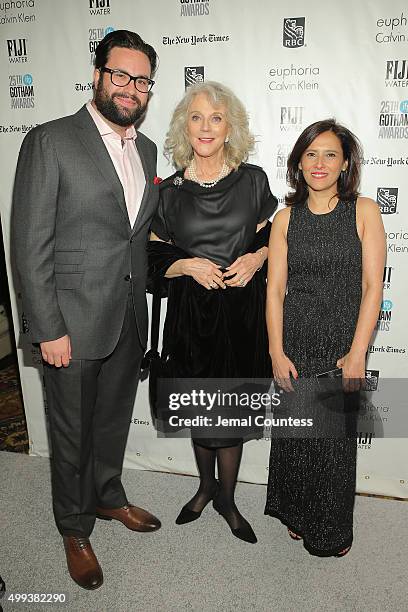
(122, 116)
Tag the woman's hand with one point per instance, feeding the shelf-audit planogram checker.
(244, 268)
(353, 366)
(282, 369)
(204, 271)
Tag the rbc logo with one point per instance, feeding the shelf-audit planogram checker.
(193, 74)
(387, 198)
(294, 32)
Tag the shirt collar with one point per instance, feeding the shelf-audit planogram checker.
(104, 128)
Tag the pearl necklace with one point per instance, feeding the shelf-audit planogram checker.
(191, 171)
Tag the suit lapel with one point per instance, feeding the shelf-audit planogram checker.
(92, 141)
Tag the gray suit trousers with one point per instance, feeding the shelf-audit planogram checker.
(90, 405)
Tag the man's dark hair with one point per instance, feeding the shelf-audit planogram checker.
(128, 40)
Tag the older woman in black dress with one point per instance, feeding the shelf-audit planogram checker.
(324, 296)
(209, 239)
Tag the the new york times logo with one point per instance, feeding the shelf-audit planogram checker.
(17, 50)
(194, 8)
(99, 7)
(95, 37)
(294, 32)
(387, 198)
(193, 74)
(21, 91)
(291, 118)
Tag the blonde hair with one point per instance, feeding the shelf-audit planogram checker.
(177, 147)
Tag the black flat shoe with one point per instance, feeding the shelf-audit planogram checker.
(244, 532)
(188, 516)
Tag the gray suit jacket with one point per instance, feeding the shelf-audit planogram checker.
(74, 247)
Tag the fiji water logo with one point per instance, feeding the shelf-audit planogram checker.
(404, 106)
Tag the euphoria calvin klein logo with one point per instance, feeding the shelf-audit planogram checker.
(99, 7)
(193, 74)
(387, 198)
(294, 32)
(17, 50)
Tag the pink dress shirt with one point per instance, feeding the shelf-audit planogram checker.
(125, 157)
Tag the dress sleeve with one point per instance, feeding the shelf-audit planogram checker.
(268, 202)
(159, 225)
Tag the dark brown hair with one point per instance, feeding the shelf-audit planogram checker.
(128, 40)
(349, 179)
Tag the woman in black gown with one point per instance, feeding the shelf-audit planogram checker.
(323, 299)
(209, 239)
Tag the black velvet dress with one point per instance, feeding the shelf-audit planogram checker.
(311, 484)
(219, 333)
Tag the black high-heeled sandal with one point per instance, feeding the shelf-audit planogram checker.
(187, 515)
(244, 532)
(343, 553)
(294, 535)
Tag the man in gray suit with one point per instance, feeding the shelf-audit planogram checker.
(83, 200)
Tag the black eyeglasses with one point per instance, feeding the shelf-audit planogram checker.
(121, 79)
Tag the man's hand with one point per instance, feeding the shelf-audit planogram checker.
(57, 352)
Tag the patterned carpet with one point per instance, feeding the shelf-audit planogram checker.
(13, 429)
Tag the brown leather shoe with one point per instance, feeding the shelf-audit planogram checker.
(82, 563)
(132, 517)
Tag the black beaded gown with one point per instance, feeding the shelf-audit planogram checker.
(311, 483)
(219, 333)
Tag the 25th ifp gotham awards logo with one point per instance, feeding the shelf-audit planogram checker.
(193, 74)
(99, 7)
(194, 8)
(294, 32)
(95, 37)
(393, 118)
(385, 316)
(387, 198)
(21, 90)
(17, 50)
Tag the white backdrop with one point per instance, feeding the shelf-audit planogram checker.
(290, 65)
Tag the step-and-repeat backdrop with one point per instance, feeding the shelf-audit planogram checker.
(291, 63)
